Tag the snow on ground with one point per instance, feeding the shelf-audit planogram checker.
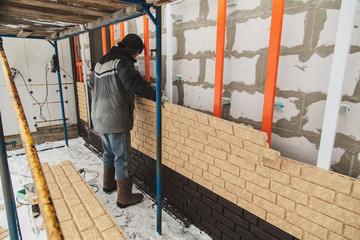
(138, 221)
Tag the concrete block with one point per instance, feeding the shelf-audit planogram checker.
(242, 108)
(191, 13)
(294, 75)
(328, 35)
(284, 225)
(210, 71)
(352, 68)
(261, 192)
(308, 226)
(290, 109)
(256, 28)
(240, 70)
(194, 46)
(199, 98)
(293, 36)
(319, 218)
(289, 193)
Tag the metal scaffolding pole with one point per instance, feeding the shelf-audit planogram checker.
(10, 207)
(42, 190)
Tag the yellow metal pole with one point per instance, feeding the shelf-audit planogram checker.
(42, 190)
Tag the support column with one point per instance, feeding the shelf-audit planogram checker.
(219, 62)
(338, 67)
(272, 66)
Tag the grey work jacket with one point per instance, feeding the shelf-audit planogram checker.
(115, 82)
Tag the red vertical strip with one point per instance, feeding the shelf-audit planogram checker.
(146, 50)
(122, 32)
(219, 62)
(103, 35)
(112, 36)
(272, 66)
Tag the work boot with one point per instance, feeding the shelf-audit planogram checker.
(125, 197)
(109, 183)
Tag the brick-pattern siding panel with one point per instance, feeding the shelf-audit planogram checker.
(80, 212)
(236, 163)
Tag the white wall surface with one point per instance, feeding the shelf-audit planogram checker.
(31, 57)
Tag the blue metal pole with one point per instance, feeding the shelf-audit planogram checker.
(158, 117)
(8, 193)
(61, 96)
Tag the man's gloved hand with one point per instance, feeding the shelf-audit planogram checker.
(164, 99)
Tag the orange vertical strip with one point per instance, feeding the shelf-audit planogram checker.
(112, 36)
(103, 35)
(146, 50)
(122, 32)
(77, 64)
(219, 62)
(272, 66)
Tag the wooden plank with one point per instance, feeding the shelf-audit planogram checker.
(39, 14)
(54, 6)
(111, 5)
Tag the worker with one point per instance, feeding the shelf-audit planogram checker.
(115, 82)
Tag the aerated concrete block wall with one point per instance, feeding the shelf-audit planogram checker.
(235, 162)
(308, 38)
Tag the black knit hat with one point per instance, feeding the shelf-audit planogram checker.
(133, 43)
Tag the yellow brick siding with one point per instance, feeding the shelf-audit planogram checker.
(235, 162)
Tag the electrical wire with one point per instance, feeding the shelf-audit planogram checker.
(66, 73)
(82, 170)
(29, 91)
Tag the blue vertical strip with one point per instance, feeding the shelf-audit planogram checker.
(158, 117)
(61, 97)
(8, 193)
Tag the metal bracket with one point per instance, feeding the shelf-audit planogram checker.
(344, 109)
(225, 101)
(177, 18)
(279, 106)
